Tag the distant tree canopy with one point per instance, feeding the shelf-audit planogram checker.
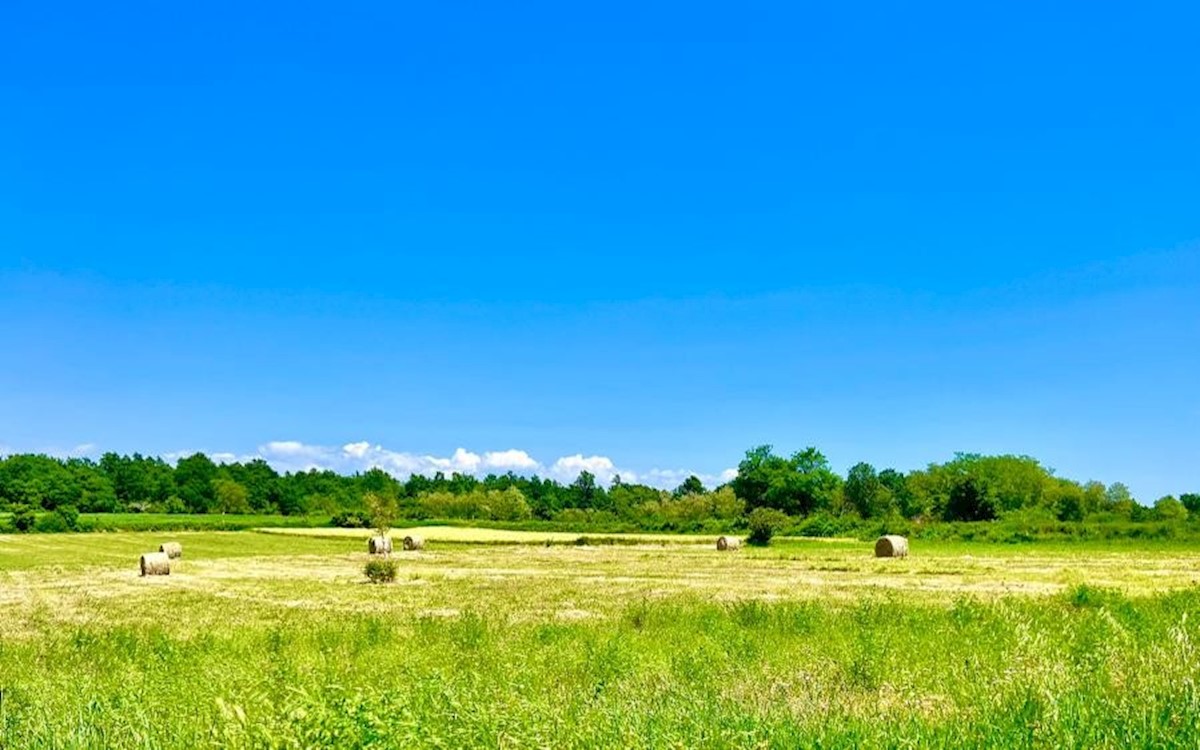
(969, 487)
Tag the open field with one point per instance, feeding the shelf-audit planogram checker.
(472, 535)
(275, 640)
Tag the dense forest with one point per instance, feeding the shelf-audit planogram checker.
(815, 498)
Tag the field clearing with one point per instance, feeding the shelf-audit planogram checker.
(276, 640)
(471, 535)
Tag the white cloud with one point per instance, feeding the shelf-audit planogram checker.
(568, 468)
(669, 479)
(510, 460)
(465, 461)
(290, 448)
(81, 450)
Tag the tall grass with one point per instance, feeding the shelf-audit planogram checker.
(1089, 668)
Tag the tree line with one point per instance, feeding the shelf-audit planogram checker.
(802, 486)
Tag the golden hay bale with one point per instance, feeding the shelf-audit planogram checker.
(155, 564)
(891, 546)
(379, 545)
(414, 542)
(171, 549)
(727, 543)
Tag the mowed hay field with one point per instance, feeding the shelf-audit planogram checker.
(490, 640)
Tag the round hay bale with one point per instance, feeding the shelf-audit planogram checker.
(891, 546)
(171, 549)
(155, 564)
(728, 543)
(414, 542)
(379, 545)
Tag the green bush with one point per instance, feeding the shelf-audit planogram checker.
(764, 523)
(349, 519)
(69, 515)
(23, 518)
(381, 570)
(50, 523)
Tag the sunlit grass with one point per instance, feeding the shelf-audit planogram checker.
(264, 640)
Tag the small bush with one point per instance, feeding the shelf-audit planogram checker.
(50, 523)
(349, 519)
(23, 519)
(764, 523)
(381, 570)
(69, 515)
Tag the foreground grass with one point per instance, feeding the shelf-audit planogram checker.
(261, 640)
(678, 673)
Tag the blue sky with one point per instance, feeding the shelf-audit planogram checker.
(640, 237)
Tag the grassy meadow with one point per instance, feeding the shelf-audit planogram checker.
(502, 639)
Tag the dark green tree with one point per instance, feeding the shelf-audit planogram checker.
(194, 477)
(866, 492)
(584, 490)
(690, 486)
(969, 501)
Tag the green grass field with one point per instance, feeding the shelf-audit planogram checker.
(490, 640)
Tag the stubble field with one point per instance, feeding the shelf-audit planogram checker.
(526, 639)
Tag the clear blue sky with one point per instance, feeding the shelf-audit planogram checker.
(653, 233)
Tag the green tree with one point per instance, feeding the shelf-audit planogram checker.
(1117, 495)
(1093, 497)
(808, 485)
(584, 491)
(756, 474)
(1191, 501)
(262, 484)
(138, 481)
(230, 496)
(969, 502)
(866, 493)
(797, 486)
(39, 481)
(902, 496)
(381, 510)
(507, 505)
(194, 477)
(690, 486)
(1169, 509)
(1070, 506)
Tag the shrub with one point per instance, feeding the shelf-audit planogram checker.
(23, 518)
(349, 519)
(763, 524)
(381, 570)
(50, 523)
(69, 515)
